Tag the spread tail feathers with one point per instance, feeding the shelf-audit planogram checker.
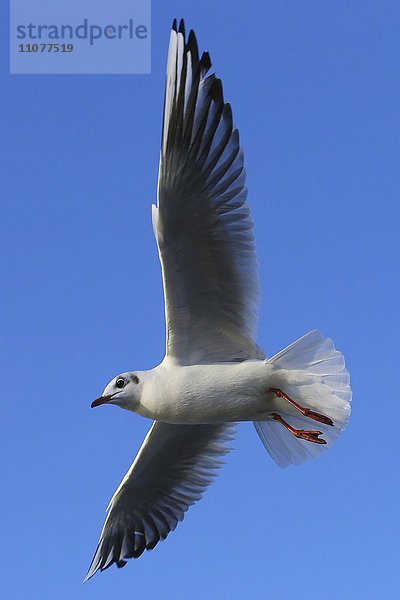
(317, 380)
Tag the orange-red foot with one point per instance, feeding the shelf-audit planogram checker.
(304, 411)
(309, 435)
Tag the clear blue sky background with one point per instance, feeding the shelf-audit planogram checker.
(315, 91)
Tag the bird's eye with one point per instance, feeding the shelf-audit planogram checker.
(120, 382)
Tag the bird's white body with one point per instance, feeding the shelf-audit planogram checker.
(209, 393)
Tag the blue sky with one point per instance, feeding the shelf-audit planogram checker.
(315, 93)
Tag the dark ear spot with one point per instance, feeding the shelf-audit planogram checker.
(135, 379)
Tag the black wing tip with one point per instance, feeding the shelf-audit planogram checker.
(181, 28)
(192, 46)
(205, 62)
(93, 570)
(216, 91)
(192, 41)
(228, 113)
(120, 563)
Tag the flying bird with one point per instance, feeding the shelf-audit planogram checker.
(213, 374)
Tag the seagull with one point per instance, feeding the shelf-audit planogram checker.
(213, 374)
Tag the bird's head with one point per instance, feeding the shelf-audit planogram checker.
(124, 391)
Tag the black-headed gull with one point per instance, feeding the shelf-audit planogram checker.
(213, 374)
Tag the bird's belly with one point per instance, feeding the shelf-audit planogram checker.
(206, 394)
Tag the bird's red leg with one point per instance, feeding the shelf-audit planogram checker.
(304, 411)
(304, 434)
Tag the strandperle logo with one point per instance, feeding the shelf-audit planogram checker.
(84, 31)
(80, 37)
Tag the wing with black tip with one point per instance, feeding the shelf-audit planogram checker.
(202, 222)
(173, 468)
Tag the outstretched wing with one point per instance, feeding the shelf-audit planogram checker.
(174, 466)
(202, 223)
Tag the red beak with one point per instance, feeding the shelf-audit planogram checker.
(101, 400)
